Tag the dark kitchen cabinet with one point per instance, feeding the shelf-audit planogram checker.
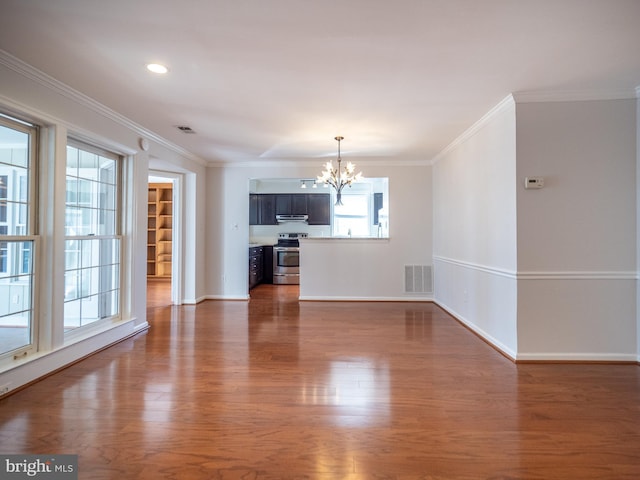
(291, 204)
(299, 204)
(253, 209)
(256, 266)
(283, 204)
(319, 208)
(263, 208)
(267, 264)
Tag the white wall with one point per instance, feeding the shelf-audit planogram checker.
(215, 226)
(577, 236)
(474, 189)
(410, 219)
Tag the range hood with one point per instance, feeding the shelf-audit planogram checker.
(292, 218)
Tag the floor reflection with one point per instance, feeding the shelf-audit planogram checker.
(276, 388)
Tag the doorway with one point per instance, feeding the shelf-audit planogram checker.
(163, 244)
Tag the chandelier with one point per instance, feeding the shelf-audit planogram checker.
(336, 177)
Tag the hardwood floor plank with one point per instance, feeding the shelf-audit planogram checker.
(277, 389)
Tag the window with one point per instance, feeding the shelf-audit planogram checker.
(17, 240)
(352, 217)
(92, 236)
(364, 209)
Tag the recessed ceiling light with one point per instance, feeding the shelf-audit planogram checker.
(157, 68)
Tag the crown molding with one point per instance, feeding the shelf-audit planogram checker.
(505, 104)
(359, 162)
(537, 96)
(574, 95)
(24, 69)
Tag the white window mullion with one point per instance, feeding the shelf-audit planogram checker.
(52, 199)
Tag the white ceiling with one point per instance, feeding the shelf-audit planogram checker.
(279, 79)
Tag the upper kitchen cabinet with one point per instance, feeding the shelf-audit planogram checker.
(364, 213)
(291, 204)
(319, 210)
(262, 209)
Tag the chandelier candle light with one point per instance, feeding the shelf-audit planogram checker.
(336, 178)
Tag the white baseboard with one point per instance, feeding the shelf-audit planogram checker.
(543, 357)
(225, 297)
(506, 351)
(311, 298)
(577, 357)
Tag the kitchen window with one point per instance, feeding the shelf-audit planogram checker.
(364, 208)
(351, 219)
(92, 236)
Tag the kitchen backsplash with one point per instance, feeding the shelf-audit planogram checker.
(268, 234)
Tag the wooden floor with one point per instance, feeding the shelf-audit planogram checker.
(277, 389)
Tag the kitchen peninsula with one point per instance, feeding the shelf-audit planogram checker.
(342, 268)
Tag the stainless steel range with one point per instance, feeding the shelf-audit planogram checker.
(286, 259)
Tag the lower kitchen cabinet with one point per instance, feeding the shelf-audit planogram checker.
(267, 262)
(256, 268)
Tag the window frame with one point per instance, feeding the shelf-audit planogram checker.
(117, 236)
(30, 234)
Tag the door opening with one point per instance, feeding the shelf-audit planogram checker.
(160, 233)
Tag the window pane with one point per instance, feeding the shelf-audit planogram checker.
(71, 221)
(72, 315)
(71, 283)
(107, 222)
(72, 161)
(15, 331)
(109, 302)
(87, 165)
(13, 198)
(4, 257)
(90, 309)
(26, 257)
(16, 305)
(72, 192)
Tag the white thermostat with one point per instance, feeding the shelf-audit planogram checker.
(533, 182)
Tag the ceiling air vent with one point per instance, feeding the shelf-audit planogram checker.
(185, 129)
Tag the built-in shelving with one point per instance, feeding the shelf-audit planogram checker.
(160, 230)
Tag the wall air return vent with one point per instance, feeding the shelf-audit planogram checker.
(418, 279)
